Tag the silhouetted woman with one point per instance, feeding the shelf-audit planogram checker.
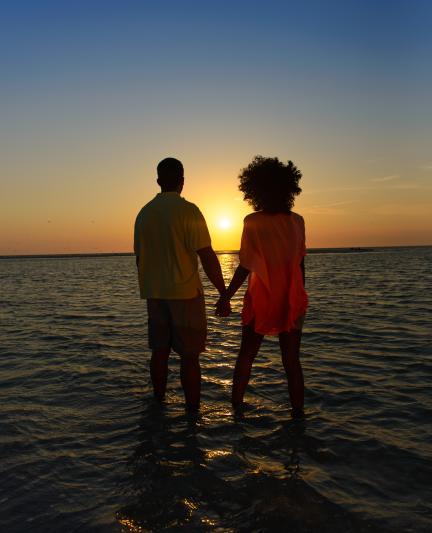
(272, 255)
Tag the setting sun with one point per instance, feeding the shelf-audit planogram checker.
(224, 223)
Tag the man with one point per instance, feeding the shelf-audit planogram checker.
(170, 233)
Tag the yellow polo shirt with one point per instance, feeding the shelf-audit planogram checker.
(168, 232)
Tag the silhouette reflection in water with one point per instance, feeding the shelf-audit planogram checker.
(208, 472)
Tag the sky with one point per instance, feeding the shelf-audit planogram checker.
(94, 94)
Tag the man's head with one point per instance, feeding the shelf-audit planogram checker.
(170, 175)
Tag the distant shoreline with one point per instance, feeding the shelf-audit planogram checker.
(352, 249)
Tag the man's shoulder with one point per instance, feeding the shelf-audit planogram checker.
(190, 207)
(177, 206)
(187, 204)
(145, 208)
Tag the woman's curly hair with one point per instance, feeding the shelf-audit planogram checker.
(269, 185)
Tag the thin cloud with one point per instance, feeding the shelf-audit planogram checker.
(335, 208)
(339, 189)
(386, 178)
(381, 185)
(397, 209)
(426, 166)
(412, 186)
(338, 204)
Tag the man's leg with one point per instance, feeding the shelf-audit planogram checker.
(189, 332)
(159, 372)
(160, 344)
(250, 344)
(190, 375)
(290, 349)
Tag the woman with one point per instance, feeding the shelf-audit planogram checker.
(272, 256)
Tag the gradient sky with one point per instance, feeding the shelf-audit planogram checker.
(94, 93)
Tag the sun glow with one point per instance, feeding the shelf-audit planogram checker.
(224, 223)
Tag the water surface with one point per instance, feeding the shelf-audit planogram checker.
(84, 448)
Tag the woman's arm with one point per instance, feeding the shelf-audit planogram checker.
(240, 275)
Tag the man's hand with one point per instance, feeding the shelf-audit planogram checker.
(223, 307)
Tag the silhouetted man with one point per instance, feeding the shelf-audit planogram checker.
(170, 234)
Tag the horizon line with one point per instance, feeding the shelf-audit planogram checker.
(125, 254)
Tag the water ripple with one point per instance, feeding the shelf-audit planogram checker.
(84, 448)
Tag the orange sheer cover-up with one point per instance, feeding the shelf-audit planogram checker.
(272, 248)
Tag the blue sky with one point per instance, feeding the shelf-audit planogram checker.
(94, 93)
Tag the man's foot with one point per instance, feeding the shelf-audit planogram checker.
(237, 404)
(192, 408)
(239, 407)
(159, 398)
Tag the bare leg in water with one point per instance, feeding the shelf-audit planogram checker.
(289, 342)
(250, 344)
(190, 375)
(159, 372)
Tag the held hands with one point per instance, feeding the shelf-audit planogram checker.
(223, 306)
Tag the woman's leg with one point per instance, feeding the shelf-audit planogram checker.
(250, 343)
(289, 342)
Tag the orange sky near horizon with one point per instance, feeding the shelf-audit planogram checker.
(74, 215)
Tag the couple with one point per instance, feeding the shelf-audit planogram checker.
(171, 233)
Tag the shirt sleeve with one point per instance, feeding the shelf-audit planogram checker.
(303, 250)
(197, 234)
(246, 252)
(251, 254)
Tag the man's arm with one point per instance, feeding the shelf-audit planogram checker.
(212, 268)
(137, 260)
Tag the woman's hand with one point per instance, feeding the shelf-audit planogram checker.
(223, 306)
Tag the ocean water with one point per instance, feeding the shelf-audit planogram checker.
(84, 447)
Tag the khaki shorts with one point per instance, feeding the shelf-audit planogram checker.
(177, 324)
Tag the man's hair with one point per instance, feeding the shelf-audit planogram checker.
(269, 185)
(170, 173)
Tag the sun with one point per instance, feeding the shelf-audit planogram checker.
(224, 223)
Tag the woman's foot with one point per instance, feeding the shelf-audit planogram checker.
(298, 414)
(237, 405)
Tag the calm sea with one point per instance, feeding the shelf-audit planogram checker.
(84, 448)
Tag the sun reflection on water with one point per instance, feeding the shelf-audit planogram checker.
(213, 454)
(130, 524)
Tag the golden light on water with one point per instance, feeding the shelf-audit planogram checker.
(214, 454)
(130, 525)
